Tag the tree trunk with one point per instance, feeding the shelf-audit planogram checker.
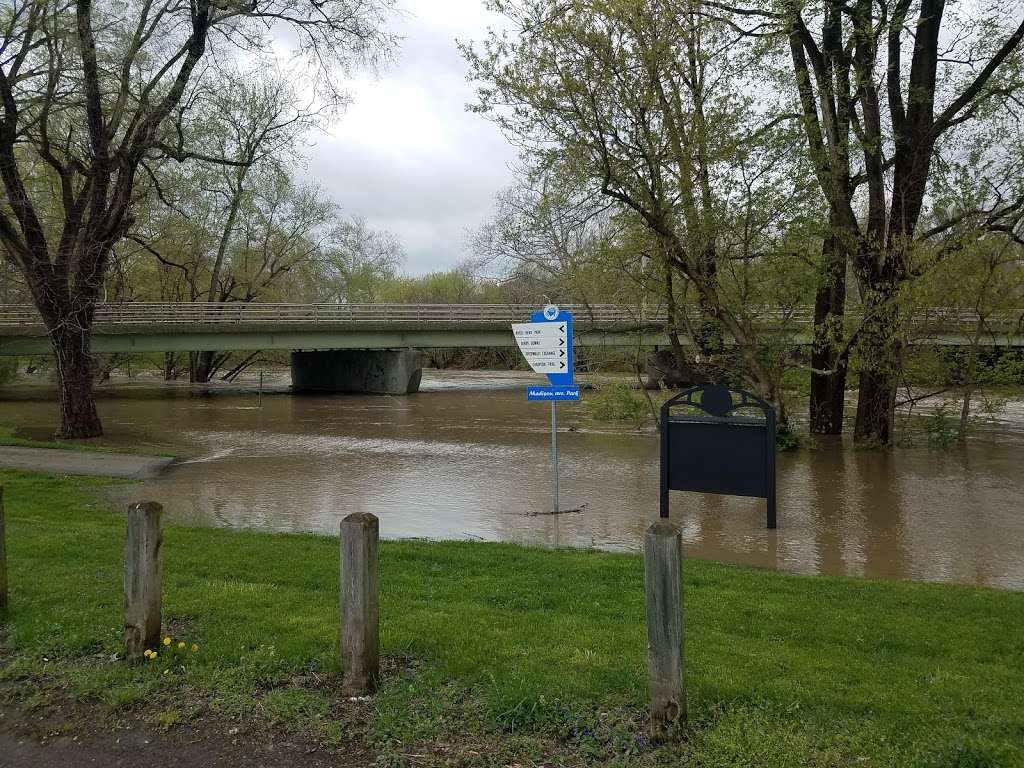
(876, 406)
(71, 349)
(965, 414)
(202, 368)
(880, 352)
(828, 379)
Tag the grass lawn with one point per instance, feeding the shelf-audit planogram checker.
(510, 655)
(8, 437)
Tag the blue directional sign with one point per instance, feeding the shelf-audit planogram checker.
(562, 320)
(546, 343)
(553, 393)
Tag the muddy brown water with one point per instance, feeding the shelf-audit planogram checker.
(468, 458)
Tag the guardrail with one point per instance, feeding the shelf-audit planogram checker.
(200, 314)
(237, 313)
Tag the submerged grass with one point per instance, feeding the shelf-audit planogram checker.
(518, 654)
(10, 437)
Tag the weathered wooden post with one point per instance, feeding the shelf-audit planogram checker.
(360, 604)
(143, 569)
(3, 552)
(663, 545)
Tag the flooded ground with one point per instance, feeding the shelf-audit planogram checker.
(468, 458)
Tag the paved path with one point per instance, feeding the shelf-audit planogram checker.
(61, 462)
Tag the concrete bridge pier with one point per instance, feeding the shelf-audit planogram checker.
(371, 371)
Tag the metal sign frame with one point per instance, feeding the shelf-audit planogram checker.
(718, 452)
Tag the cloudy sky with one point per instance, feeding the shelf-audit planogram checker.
(406, 155)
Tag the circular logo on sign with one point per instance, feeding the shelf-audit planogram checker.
(551, 312)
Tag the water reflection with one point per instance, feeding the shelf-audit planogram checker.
(468, 458)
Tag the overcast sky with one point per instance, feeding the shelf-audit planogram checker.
(406, 155)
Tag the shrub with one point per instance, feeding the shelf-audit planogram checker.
(618, 401)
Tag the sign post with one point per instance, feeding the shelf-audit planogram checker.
(554, 452)
(546, 343)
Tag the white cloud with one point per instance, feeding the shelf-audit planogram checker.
(405, 154)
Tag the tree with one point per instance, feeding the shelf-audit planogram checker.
(646, 101)
(253, 243)
(255, 120)
(888, 95)
(357, 262)
(972, 290)
(548, 231)
(94, 91)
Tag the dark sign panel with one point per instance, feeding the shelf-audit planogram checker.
(714, 451)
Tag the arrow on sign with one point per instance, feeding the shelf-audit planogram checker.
(546, 346)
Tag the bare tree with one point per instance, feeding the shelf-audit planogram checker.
(356, 261)
(92, 90)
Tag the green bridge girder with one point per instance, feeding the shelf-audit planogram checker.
(179, 339)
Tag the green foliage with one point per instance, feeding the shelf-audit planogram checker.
(295, 707)
(1008, 370)
(8, 436)
(506, 651)
(168, 719)
(8, 369)
(125, 697)
(786, 439)
(940, 426)
(618, 401)
(455, 286)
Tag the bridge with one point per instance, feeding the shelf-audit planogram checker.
(325, 337)
(137, 327)
(335, 347)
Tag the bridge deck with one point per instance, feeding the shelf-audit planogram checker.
(173, 327)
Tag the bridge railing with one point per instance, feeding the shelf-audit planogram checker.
(214, 315)
(236, 313)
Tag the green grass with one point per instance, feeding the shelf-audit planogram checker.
(9, 437)
(519, 652)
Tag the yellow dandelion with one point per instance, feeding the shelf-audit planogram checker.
(154, 655)
(167, 641)
(181, 644)
(146, 653)
(195, 648)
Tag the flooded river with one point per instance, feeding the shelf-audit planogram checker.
(468, 458)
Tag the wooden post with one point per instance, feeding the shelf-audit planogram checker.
(360, 604)
(143, 569)
(663, 545)
(3, 552)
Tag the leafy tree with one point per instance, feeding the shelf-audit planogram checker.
(648, 102)
(897, 103)
(978, 290)
(93, 91)
(357, 263)
(455, 286)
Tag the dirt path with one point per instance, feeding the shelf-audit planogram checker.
(48, 742)
(62, 462)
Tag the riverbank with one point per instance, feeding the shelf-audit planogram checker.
(91, 463)
(497, 654)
